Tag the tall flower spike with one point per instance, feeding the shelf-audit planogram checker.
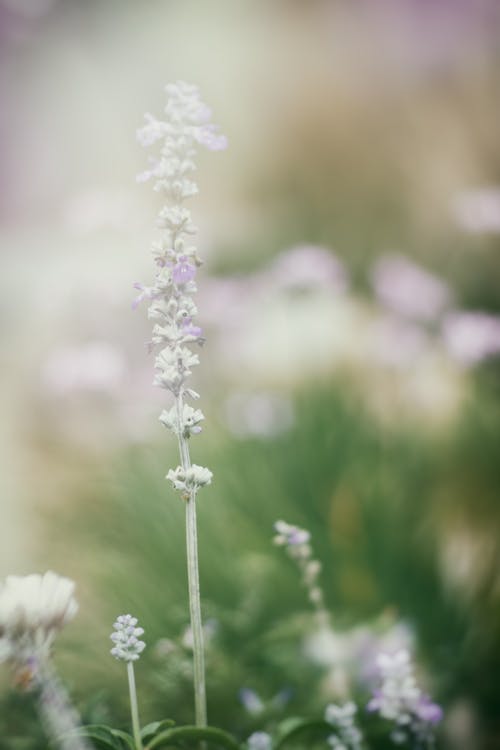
(185, 126)
(400, 700)
(297, 544)
(347, 736)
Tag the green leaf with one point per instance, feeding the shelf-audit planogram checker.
(149, 731)
(102, 736)
(291, 729)
(125, 737)
(197, 734)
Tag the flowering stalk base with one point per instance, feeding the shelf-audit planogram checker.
(134, 710)
(200, 700)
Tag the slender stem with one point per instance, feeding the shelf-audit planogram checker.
(200, 700)
(136, 727)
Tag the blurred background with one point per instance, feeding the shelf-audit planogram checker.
(351, 301)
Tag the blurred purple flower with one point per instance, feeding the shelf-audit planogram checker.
(408, 289)
(365, 643)
(471, 336)
(428, 711)
(400, 700)
(309, 266)
(478, 211)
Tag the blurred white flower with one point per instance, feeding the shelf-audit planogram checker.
(478, 211)
(471, 336)
(347, 736)
(33, 609)
(325, 647)
(408, 289)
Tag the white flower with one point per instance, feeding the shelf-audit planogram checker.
(32, 609)
(191, 419)
(189, 480)
(126, 634)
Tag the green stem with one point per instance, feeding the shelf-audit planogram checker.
(200, 700)
(134, 710)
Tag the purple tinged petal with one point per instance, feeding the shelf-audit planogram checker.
(183, 272)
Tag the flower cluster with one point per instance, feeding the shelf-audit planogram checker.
(188, 481)
(126, 634)
(399, 699)
(347, 736)
(296, 541)
(189, 423)
(172, 308)
(33, 609)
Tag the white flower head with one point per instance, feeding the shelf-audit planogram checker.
(191, 419)
(125, 636)
(189, 480)
(33, 609)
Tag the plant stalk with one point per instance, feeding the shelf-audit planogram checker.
(134, 710)
(200, 700)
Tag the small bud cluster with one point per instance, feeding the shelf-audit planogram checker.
(296, 541)
(185, 126)
(126, 634)
(347, 736)
(400, 700)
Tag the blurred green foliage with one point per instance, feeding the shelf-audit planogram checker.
(376, 498)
